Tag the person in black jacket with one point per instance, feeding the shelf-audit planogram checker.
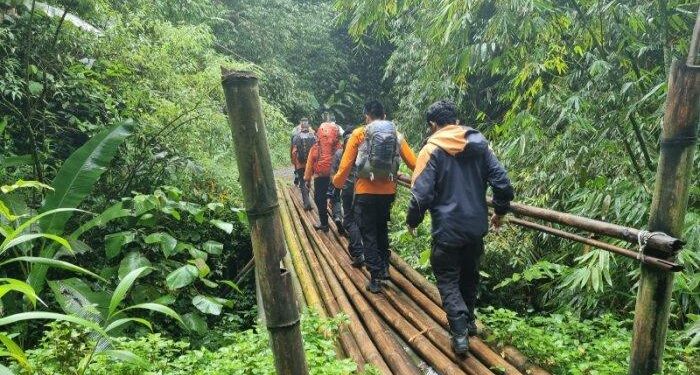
(349, 222)
(452, 173)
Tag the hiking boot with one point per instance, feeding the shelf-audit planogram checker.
(458, 330)
(339, 225)
(374, 286)
(358, 261)
(384, 274)
(322, 228)
(471, 328)
(307, 207)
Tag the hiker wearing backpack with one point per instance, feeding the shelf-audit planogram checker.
(302, 142)
(318, 166)
(376, 149)
(344, 198)
(452, 174)
(298, 177)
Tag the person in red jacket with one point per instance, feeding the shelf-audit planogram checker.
(318, 167)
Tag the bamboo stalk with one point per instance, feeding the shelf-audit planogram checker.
(652, 261)
(668, 208)
(367, 347)
(258, 187)
(396, 358)
(395, 319)
(661, 242)
(347, 341)
(305, 279)
(288, 265)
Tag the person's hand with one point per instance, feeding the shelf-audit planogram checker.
(412, 231)
(496, 222)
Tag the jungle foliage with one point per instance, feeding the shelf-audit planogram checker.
(571, 93)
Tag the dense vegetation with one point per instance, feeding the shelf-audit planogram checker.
(120, 207)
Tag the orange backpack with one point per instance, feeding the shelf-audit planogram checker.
(327, 137)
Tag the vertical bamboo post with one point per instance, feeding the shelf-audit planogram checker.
(260, 196)
(678, 140)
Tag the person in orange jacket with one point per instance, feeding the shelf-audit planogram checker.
(375, 186)
(318, 167)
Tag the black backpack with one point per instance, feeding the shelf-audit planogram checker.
(303, 142)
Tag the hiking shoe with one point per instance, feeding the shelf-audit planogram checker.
(358, 261)
(339, 225)
(307, 207)
(322, 228)
(458, 331)
(384, 275)
(472, 330)
(374, 286)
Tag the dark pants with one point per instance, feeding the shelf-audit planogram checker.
(457, 273)
(374, 211)
(321, 198)
(351, 222)
(299, 173)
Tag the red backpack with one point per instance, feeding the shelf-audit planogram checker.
(327, 137)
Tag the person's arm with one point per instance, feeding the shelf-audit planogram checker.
(498, 179)
(422, 186)
(310, 161)
(348, 159)
(407, 155)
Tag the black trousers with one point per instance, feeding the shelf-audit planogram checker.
(321, 198)
(302, 186)
(457, 272)
(374, 212)
(351, 222)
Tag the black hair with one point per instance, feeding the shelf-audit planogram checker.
(443, 112)
(304, 119)
(374, 109)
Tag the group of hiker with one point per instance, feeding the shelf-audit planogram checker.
(356, 170)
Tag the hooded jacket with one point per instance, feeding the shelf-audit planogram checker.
(452, 174)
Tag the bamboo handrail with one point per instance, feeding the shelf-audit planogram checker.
(661, 242)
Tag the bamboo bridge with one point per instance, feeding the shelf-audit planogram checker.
(403, 330)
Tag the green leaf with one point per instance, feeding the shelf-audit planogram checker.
(202, 266)
(30, 237)
(5, 371)
(123, 287)
(15, 161)
(120, 322)
(155, 307)
(182, 277)
(168, 244)
(213, 247)
(115, 241)
(5, 211)
(35, 88)
(207, 305)
(53, 263)
(114, 212)
(15, 351)
(226, 227)
(21, 184)
(133, 261)
(195, 323)
(21, 287)
(233, 285)
(80, 172)
(40, 315)
(126, 356)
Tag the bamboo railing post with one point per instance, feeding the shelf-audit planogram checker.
(260, 196)
(678, 139)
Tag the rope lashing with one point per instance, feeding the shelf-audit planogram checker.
(643, 238)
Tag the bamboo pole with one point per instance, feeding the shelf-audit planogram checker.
(305, 279)
(395, 356)
(659, 263)
(288, 265)
(260, 196)
(367, 347)
(347, 341)
(668, 207)
(664, 243)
